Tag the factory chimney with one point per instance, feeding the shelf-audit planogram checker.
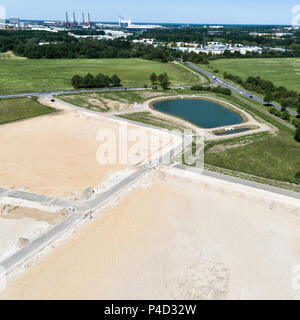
(82, 18)
(74, 19)
(89, 17)
(67, 19)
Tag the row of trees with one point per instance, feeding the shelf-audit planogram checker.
(100, 81)
(63, 46)
(162, 80)
(287, 98)
(218, 89)
(87, 48)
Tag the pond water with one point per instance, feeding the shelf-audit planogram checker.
(203, 113)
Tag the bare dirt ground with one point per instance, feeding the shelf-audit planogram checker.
(175, 237)
(56, 154)
(20, 225)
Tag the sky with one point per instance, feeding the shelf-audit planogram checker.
(164, 11)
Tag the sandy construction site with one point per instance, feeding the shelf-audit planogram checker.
(57, 154)
(175, 235)
(60, 157)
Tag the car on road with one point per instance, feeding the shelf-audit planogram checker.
(251, 97)
(52, 100)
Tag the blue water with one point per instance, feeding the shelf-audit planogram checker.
(203, 113)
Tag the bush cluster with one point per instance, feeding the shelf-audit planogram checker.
(100, 81)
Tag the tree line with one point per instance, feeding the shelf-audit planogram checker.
(287, 98)
(231, 35)
(99, 81)
(218, 89)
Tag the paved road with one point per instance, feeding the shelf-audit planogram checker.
(20, 257)
(248, 183)
(232, 87)
(270, 115)
(29, 251)
(50, 201)
(40, 94)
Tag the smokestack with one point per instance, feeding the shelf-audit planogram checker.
(82, 18)
(67, 18)
(74, 20)
(89, 19)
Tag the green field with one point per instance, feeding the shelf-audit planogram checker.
(273, 157)
(21, 108)
(49, 75)
(149, 119)
(281, 71)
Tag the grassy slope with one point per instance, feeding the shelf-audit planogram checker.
(47, 75)
(21, 108)
(148, 118)
(82, 99)
(273, 157)
(281, 71)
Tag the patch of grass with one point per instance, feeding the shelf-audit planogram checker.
(21, 108)
(149, 119)
(281, 71)
(92, 100)
(55, 74)
(272, 157)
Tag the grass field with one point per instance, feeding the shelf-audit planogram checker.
(49, 75)
(21, 108)
(148, 118)
(99, 100)
(273, 157)
(281, 71)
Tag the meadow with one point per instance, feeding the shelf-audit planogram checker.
(281, 71)
(19, 76)
(21, 108)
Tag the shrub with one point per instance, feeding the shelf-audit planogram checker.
(115, 80)
(77, 82)
(297, 135)
(100, 81)
(222, 90)
(198, 87)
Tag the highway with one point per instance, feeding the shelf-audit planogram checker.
(214, 79)
(40, 94)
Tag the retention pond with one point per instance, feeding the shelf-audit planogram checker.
(203, 113)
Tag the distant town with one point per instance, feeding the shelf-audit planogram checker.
(124, 28)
